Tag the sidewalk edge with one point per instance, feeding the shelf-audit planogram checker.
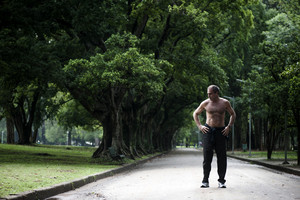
(276, 167)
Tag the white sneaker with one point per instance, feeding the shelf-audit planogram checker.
(222, 185)
(205, 185)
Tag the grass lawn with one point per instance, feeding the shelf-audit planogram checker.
(276, 155)
(24, 168)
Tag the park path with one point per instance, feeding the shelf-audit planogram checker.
(178, 176)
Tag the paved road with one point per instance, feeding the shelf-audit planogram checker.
(178, 176)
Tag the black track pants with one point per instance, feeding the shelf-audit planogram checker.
(214, 140)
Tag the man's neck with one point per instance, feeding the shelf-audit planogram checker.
(215, 100)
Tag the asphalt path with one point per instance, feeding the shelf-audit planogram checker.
(178, 176)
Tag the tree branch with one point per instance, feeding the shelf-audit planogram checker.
(164, 36)
(138, 30)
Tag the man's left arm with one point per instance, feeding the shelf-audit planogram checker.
(230, 110)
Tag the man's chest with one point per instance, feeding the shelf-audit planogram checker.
(215, 108)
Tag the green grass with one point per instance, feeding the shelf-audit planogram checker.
(24, 168)
(276, 155)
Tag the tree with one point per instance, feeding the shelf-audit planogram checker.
(121, 68)
(198, 53)
(293, 76)
(277, 52)
(29, 62)
(171, 31)
(291, 72)
(181, 45)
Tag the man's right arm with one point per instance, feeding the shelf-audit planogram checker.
(196, 113)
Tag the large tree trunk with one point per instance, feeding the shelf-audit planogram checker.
(257, 133)
(112, 136)
(270, 142)
(117, 134)
(23, 118)
(141, 139)
(147, 131)
(23, 128)
(34, 136)
(10, 131)
(24, 133)
(112, 126)
(129, 132)
(157, 139)
(132, 120)
(106, 139)
(272, 138)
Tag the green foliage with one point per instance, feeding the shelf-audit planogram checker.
(121, 66)
(268, 88)
(293, 76)
(72, 114)
(30, 61)
(55, 134)
(279, 52)
(188, 134)
(147, 62)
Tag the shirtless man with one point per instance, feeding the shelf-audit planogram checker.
(215, 133)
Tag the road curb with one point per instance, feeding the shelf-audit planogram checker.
(47, 192)
(276, 167)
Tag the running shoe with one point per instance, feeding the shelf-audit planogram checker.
(222, 185)
(204, 185)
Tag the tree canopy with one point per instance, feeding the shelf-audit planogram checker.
(139, 68)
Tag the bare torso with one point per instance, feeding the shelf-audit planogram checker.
(215, 112)
(215, 108)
